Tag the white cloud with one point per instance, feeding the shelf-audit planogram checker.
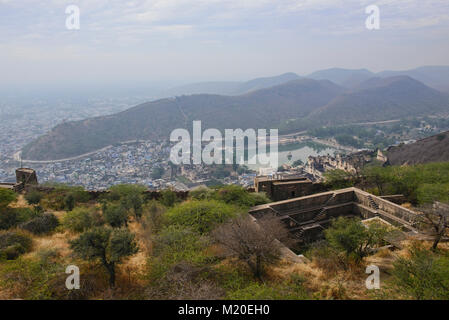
(246, 35)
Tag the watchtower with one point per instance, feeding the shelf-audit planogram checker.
(26, 176)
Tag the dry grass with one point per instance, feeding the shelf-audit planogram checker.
(20, 202)
(344, 284)
(56, 241)
(133, 269)
(407, 205)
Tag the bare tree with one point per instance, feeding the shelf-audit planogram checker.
(257, 243)
(437, 216)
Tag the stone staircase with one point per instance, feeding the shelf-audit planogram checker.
(322, 214)
(372, 203)
(298, 234)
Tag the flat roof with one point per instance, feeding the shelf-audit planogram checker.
(26, 170)
(291, 182)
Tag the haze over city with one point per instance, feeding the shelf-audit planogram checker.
(163, 43)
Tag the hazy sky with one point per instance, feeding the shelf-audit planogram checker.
(196, 40)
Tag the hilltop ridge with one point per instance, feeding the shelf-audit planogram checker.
(294, 105)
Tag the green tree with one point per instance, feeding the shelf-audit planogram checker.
(107, 245)
(431, 192)
(78, 220)
(69, 202)
(168, 198)
(338, 179)
(239, 196)
(130, 196)
(350, 236)
(377, 176)
(115, 215)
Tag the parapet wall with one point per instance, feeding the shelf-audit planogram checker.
(315, 201)
(382, 206)
(95, 194)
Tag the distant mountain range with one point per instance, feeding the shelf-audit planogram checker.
(231, 88)
(343, 77)
(287, 102)
(382, 99)
(436, 77)
(431, 149)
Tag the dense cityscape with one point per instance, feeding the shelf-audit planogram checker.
(141, 162)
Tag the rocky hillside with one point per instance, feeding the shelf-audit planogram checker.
(431, 149)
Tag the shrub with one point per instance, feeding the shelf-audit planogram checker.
(121, 191)
(24, 214)
(115, 215)
(178, 243)
(34, 197)
(168, 198)
(326, 257)
(69, 202)
(237, 195)
(350, 236)
(48, 255)
(201, 193)
(78, 220)
(422, 276)
(338, 179)
(13, 244)
(64, 197)
(175, 244)
(45, 223)
(6, 197)
(201, 216)
(429, 193)
(259, 198)
(12, 217)
(130, 196)
(30, 278)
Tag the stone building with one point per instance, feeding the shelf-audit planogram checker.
(352, 163)
(281, 187)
